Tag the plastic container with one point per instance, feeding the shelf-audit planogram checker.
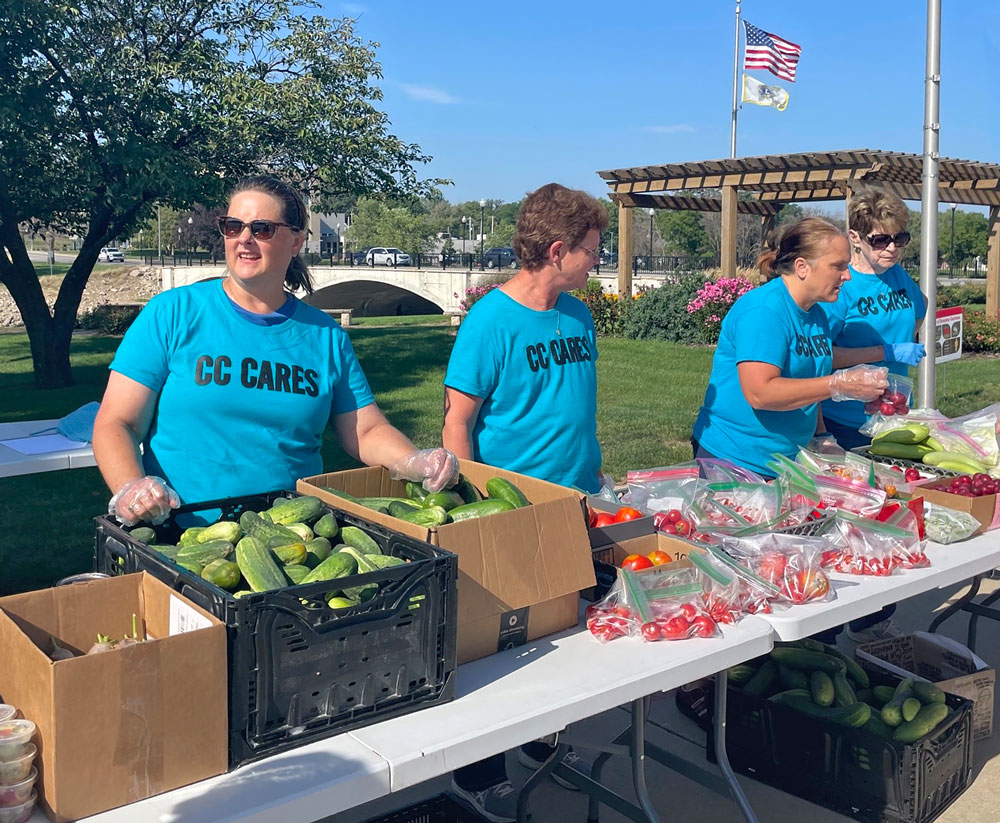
(17, 794)
(15, 736)
(13, 771)
(7, 712)
(298, 672)
(19, 813)
(848, 770)
(440, 809)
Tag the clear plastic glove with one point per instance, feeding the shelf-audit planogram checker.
(147, 499)
(435, 469)
(825, 443)
(909, 353)
(859, 383)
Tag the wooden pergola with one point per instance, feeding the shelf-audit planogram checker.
(771, 181)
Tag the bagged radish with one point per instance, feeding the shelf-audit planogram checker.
(792, 564)
(895, 400)
(864, 546)
(946, 525)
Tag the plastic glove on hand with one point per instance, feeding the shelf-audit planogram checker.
(147, 499)
(435, 469)
(858, 383)
(908, 353)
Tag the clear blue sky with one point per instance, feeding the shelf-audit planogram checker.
(509, 95)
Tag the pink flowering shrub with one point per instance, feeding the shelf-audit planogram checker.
(476, 293)
(713, 301)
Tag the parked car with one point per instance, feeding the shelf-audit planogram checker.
(111, 254)
(358, 257)
(500, 257)
(387, 257)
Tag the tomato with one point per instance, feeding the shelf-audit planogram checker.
(604, 519)
(658, 557)
(673, 515)
(682, 527)
(637, 562)
(627, 513)
(674, 629)
(689, 611)
(591, 517)
(771, 567)
(668, 528)
(703, 626)
(650, 631)
(811, 585)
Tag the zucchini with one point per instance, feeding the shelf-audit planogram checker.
(792, 678)
(228, 530)
(337, 565)
(296, 510)
(338, 493)
(326, 526)
(302, 530)
(190, 536)
(290, 554)
(295, 573)
(399, 508)
(353, 536)
(222, 573)
(484, 508)
(740, 673)
(925, 721)
(205, 553)
(857, 714)
(892, 712)
(499, 489)
(428, 518)
(805, 659)
(254, 525)
(465, 489)
(927, 692)
(762, 680)
(257, 565)
(821, 688)
(317, 550)
(447, 500)
(143, 534)
(191, 566)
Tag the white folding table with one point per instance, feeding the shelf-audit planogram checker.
(13, 463)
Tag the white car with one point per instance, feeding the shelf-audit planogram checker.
(387, 257)
(111, 254)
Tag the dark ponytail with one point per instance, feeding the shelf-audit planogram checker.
(293, 212)
(803, 238)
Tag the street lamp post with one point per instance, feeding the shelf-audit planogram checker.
(951, 254)
(482, 214)
(337, 227)
(463, 235)
(493, 218)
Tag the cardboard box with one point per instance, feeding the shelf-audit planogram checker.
(608, 558)
(520, 572)
(121, 725)
(616, 532)
(942, 661)
(984, 508)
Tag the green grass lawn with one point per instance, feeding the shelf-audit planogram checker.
(648, 396)
(59, 269)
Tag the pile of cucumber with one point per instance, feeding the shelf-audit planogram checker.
(818, 680)
(463, 501)
(290, 544)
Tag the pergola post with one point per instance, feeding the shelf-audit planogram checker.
(993, 263)
(767, 224)
(626, 224)
(728, 251)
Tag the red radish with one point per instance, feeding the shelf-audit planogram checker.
(887, 408)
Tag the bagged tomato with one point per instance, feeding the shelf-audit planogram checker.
(737, 505)
(727, 596)
(860, 545)
(663, 489)
(848, 495)
(788, 566)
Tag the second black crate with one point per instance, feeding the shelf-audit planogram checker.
(299, 671)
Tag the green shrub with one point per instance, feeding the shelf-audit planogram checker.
(109, 318)
(661, 313)
(980, 333)
(961, 295)
(606, 308)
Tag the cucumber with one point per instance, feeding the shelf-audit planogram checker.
(191, 566)
(865, 696)
(302, 530)
(338, 493)
(877, 727)
(204, 553)
(843, 694)
(925, 721)
(781, 697)
(303, 509)
(763, 679)
(465, 489)
(740, 674)
(223, 573)
(416, 492)
(190, 536)
(295, 573)
(317, 550)
(447, 500)
(883, 694)
(892, 712)
(384, 561)
(805, 659)
(910, 708)
(362, 564)
(353, 536)
(143, 534)
(290, 554)
(338, 601)
(854, 670)
(257, 564)
(400, 508)
(821, 688)
(927, 692)
(228, 530)
(428, 518)
(377, 503)
(256, 526)
(327, 526)
(792, 678)
(166, 551)
(857, 714)
(483, 508)
(337, 565)
(499, 489)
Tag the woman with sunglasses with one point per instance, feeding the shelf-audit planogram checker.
(229, 384)
(876, 317)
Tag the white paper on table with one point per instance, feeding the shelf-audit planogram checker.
(43, 444)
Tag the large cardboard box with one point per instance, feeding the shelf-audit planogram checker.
(120, 725)
(985, 509)
(944, 662)
(519, 572)
(616, 532)
(608, 558)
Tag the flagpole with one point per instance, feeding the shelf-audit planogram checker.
(736, 77)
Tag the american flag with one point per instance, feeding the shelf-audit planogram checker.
(768, 51)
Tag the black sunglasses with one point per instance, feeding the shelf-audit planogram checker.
(882, 241)
(232, 227)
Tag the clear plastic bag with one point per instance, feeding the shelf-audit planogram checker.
(723, 592)
(944, 525)
(857, 382)
(895, 400)
(738, 505)
(662, 489)
(860, 545)
(789, 566)
(716, 470)
(849, 495)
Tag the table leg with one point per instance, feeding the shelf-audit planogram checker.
(721, 755)
(639, 759)
(524, 797)
(956, 607)
(977, 610)
(593, 804)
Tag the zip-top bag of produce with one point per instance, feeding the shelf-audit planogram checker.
(663, 489)
(737, 506)
(895, 400)
(944, 525)
(747, 593)
(849, 495)
(859, 545)
(792, 564)
(800, 499)
(661, 603)
(717, 470)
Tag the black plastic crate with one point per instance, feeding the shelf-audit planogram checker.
(440, 809)
(299, 671)
(848, 770)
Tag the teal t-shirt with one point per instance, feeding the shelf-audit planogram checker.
(241, 407)
(872, 310)
(765, 325)
(536, 372)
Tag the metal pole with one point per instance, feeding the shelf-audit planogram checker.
(736, 77)
(929, 202)
(159, 237)
(951, 254)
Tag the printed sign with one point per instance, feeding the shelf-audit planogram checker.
(948, 345)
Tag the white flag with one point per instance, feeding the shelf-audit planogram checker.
(762, 95)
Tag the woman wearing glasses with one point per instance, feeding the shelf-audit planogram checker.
(229, 384)
(876, 317)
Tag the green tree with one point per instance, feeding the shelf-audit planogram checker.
(501, 235)
(108, 108)
(375, 223)
(682, 232)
